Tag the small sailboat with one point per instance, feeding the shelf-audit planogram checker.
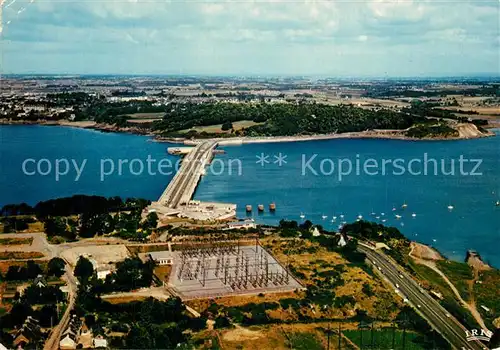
(450, 207)
(404, 205)
(413, 215)
(384, 220)
(398, 216)
(341, 216)
(373, 213)
(497, 203)
(393, 208)
(344, 222)
(302, 216)
(434, 240)
(382, 214)
(334, 218)
(377, 217)
(360, 217)
(324, 217)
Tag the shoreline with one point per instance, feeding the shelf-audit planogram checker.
(228, 141)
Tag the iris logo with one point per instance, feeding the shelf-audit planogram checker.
(478, 334)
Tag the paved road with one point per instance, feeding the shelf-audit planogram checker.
(429, 308)
(53, 341)
(189, 171)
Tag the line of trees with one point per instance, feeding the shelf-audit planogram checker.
(74, 205)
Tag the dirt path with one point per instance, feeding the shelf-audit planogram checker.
(471, 306)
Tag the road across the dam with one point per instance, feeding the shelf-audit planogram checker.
(182, 187)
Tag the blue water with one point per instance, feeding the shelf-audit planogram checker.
(474, 223)
(18, 143)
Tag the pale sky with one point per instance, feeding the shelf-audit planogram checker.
(331, 38)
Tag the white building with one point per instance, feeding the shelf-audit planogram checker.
(162, 258)
(241, 225)
(100, 342)
(102, 274)
(68, 342)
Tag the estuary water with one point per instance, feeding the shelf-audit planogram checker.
(442, 193)
(20, 143)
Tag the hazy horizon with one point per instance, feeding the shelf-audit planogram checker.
(338, 39)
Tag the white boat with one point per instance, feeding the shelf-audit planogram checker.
(377, 217)
(373, 213)
(341, 216)
(382, 214)
(393, 208)
(324, 217)
(434, 240)
(497, 203)
(398, 216)
(302, 215)
(384, 220)
(413, 215)
(450, 207)
(404, 205)
(360, 217)
(344, 222)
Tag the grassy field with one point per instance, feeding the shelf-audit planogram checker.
(316, 265)
(163, 272)
(304, 341)
(460, 274)
(20, 255)
(146, 115)
(16, 241)
(211, 129)
(431, 279)
(276, 337)
(382, 339)
(486, 293)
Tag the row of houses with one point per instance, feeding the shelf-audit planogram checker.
(78, 335)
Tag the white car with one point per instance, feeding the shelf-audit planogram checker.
(448, 315)
(405, 300)
(400, 276)
(419, 306)
(397, 285)
(380, 269)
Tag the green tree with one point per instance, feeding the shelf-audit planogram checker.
(151, 220)
(227, 125)
(33, 269)
(84, 270)
(55, 267)
(139, 338)
(54, 226)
